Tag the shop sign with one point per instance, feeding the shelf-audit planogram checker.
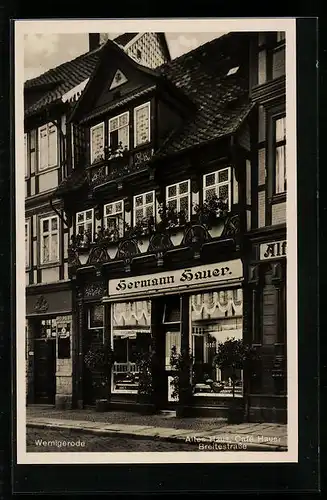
(180, 279)
(63, 326)
(273, 250)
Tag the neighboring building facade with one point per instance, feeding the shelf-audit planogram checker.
(49, 158)
(268, 242)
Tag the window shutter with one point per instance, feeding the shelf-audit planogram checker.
(43, 147)
(53, 146)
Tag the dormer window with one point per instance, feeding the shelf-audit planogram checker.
(142, 124)
(119, 132)
(97, 142)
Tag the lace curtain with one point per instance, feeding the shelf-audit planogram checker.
(217, 304)
(137, 313)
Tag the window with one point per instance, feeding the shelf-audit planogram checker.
(142, 124)
(49, 240)
(218, 184)
(119, 132)
(216, 316)
(95, 317)
(26, 154)
(27, 244)
(97, 142)
(48, 146)
(281, 36)
(178, 197)
(131, 337)
(280, 154)
(114, 217)
(143, 206)
(172, 312)
(48, 329)
(84, 222)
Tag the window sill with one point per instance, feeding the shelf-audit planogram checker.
(46, 170)
(49, 264)
(278, 198)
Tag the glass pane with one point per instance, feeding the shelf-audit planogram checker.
(96, 316)
(113, 124)
(123, 137)
(118, 207)
(80, 217)
(81, 229)
(210, 179)
(149, 211)
(172, 204)
(45, 226)
(279, 63)
(184, 203)
(88, 227)
(183, 187)
(149, 198)
(209, 193)
(223, 175)
(223, 192)
(139, 214)
(172, 191)
(89, 215)
(54, 247)
(108, 209)
(54, 224)
(123, 120)
(46, 249)
(139, 201)
(281, 129)
(142, 125)
(280, 170)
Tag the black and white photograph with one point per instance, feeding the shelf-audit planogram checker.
(157, 285)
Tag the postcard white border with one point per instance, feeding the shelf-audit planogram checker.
(159, 25)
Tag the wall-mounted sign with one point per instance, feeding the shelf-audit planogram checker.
(273, 250)
(182, 279)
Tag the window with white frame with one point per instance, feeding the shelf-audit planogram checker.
(49, 228)
(48, 146)
(119, 132)
(113, 216)
(142, 124)
(218, 184)
(97, 142)
(143, 206)
(27, 244)
(84, 223)
(26, 155)
(280, 154)
(178, 197)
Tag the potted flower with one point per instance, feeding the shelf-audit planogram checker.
(233, 355)
(170, 218)
(99, 360)
(181, 364)
(210, 210)
(145, 390)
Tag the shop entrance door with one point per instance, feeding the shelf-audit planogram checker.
(45, 371)
(172, 341)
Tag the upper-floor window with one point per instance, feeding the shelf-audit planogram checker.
(48, 146)
(178, 197)
(26, 155)
(114, 217)
(119, 132)
(27, 244)
(278, 56)
(280, 154)
(97, 142)
(142, 124)
(84, 222)
(49, 237)
(218, 184)
(143, 206)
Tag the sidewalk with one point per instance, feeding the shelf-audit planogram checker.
(264, 437)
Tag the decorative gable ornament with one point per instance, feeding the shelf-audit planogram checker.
(118, 80)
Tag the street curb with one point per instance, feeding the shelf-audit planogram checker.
(154, 437)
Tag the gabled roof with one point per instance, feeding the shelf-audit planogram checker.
(222, 101)
(49, 87)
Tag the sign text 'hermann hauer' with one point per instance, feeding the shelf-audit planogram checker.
(188, 278)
